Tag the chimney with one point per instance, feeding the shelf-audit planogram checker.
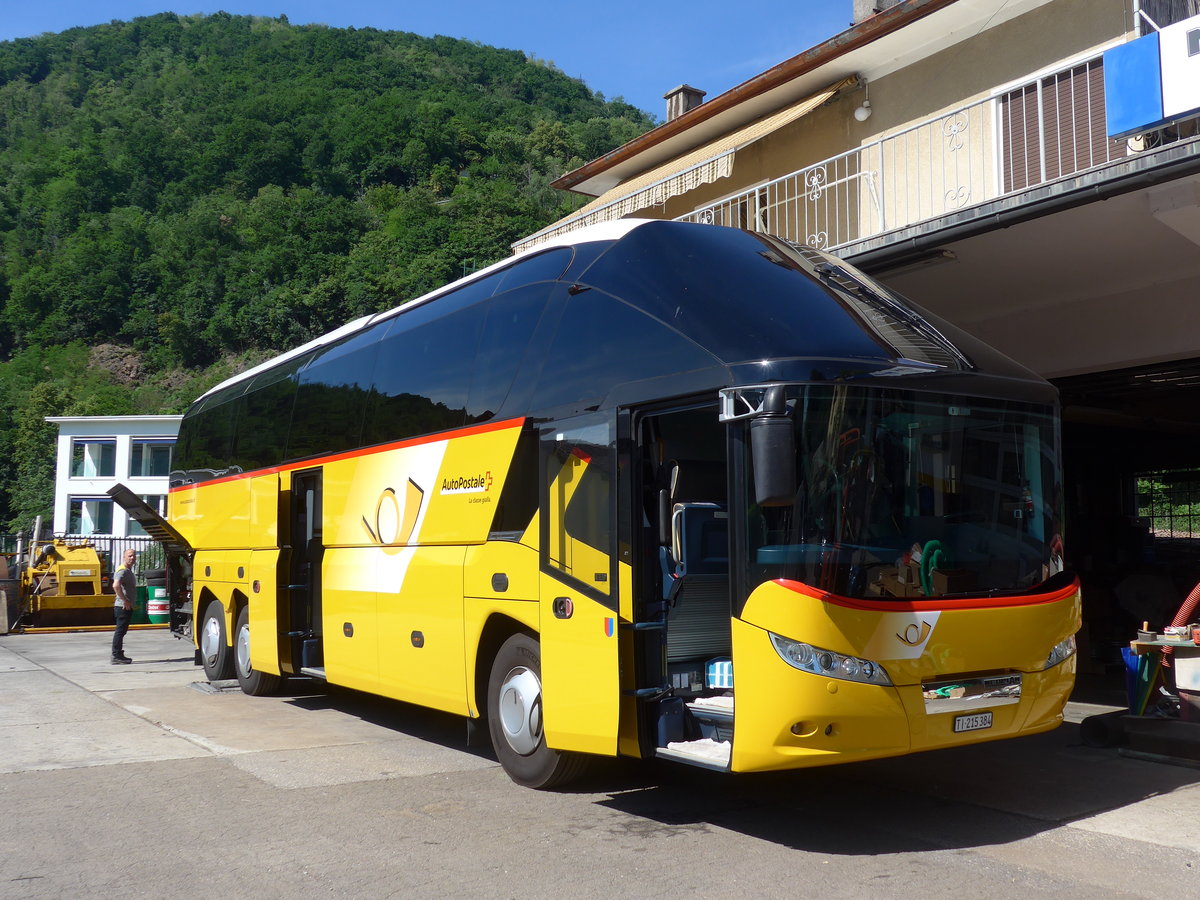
(681, 99)
(864, 9)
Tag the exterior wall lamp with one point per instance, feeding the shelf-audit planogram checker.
(863, 112)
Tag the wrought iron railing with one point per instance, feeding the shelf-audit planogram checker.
(1049, 128)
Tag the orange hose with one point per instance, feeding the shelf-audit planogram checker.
(1184, 616)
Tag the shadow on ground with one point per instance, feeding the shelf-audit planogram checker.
(984, 794)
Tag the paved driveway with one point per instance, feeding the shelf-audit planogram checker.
(143, 780)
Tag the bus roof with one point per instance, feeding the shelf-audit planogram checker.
(753, 306)
(603, 231)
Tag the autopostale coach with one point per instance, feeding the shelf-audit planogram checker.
(658, 490)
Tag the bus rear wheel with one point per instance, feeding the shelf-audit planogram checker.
(253, 682)
(515, 719)
(214, 649)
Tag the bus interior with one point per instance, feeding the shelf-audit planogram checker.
(686, 575)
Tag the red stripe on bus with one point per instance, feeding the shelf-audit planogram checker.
(932, 604)
(365, 451)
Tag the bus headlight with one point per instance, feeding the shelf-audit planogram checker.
(1062, 650)
(808, 658)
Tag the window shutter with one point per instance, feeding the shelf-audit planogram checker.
(1065, 133)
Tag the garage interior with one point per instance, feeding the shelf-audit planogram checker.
(1097, 291)
(1131, 448)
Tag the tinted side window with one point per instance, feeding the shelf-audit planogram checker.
(602, 342)
(732, 292)
(589, 514)
(332, 396)
(263, 415)
(507, 333)
(225, 395)
(262, 422)
(422, 375)
(206, 445)
(545, 266)
(461, 297)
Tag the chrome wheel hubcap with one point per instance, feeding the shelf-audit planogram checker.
(210, 639)
(521, 710)
(243, 651)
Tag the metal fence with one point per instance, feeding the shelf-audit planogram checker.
(150, 554)
(1049, 128)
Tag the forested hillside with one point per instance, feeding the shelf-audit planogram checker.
(181, 196)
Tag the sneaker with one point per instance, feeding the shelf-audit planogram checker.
(121, 660)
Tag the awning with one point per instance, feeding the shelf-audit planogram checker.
(703, 165)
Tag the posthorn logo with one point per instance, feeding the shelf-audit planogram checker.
(915, 634)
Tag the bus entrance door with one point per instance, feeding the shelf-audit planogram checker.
(303, 595)
(579, 640)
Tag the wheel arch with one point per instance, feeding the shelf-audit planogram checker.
(496, 630)
(237, 602)
(200, 605)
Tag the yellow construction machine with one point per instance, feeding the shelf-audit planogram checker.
(59, 582)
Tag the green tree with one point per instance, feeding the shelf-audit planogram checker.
(32, 493)
(209, 190)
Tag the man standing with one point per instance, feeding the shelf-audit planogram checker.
(125, 587)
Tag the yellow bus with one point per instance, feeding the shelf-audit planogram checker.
(658, 490)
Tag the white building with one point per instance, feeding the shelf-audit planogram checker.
(97, 452)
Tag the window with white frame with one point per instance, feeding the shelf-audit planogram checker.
(90, 515)
(93, 458)
(157, 502)
(150, 457)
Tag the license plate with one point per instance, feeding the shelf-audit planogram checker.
(973, 722)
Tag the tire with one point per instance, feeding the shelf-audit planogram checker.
(515, 719)
(253, 682)
(214, 646)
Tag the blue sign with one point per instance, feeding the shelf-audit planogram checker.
(1154, 80)
(1133, 87)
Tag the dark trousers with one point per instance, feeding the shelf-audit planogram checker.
(122, 617)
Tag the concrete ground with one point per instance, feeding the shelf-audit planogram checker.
(143, 780)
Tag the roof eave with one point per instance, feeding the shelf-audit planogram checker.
(871, 29)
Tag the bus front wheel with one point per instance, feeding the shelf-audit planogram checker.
(253, 682)
(515, 718)
(214, 649)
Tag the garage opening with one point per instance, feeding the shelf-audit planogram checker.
(1131, 444)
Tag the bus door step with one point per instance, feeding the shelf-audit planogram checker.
(705, 753)
(714, 716)
(313, 671)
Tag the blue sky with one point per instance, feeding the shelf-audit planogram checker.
(622, 48)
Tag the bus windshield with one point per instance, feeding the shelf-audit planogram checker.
(910, 495)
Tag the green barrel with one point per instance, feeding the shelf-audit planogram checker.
(159, 612)
(139, 607)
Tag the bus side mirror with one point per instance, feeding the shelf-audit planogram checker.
(773, 452)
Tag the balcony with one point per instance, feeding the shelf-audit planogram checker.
(1041, 133)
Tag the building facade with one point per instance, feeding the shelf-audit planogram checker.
(97, 452)
(1028, 170)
